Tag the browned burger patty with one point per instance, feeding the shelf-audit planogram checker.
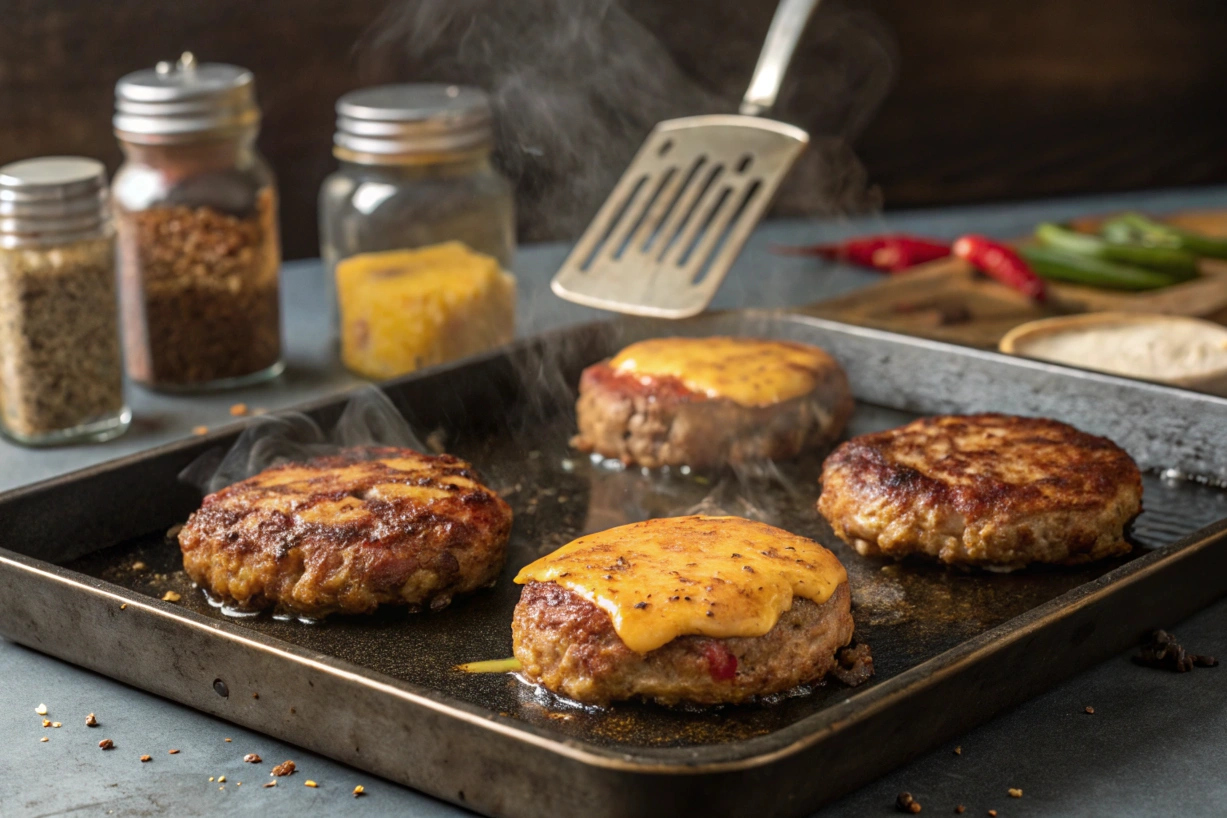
(659, 420)
(567, 644)
(991, 490)
(347, 533)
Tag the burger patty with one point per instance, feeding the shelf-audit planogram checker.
(658, 421)
(569, 645)
(991, 490)
(349, 532)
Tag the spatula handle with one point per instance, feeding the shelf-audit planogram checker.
(786, 27)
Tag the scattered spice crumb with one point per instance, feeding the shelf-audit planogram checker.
(310, 783)
(172, 533)
(221, 788)
(46, 722)
(285, 768)
(904, 802)
(259, 410)
(41, 710)
(91, 720)
(200, 430)
(228, 741)
(139, 566)
(124, 606)
(106, 744)
(57, 724)
(238, 409)
(221, 779)
(992, 813)
(255, 695)
(958, 751)
(1090, 711)
(171, 596)
(172, 752)
(44, 738)
(1014, 792)
(1161, 650)
(270, 784)
(211, 778)
(252, 758)
(146, 758)
(239, 784)
(359, 790)
(960, 809)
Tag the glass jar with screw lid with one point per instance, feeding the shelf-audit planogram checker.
(417, 228)
(196, 211)
(61, 371)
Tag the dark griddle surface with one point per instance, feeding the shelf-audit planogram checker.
(908, 612)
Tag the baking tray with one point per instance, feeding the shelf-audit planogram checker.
(951, 648)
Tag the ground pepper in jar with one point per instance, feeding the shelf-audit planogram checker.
(61, 373)
(60, 363)
(200, 292)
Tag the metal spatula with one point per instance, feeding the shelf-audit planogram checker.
(668, 233)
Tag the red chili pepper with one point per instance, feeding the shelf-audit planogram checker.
(1001, 263)
(891, 254)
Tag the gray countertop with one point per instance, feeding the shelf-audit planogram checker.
(1155, 744)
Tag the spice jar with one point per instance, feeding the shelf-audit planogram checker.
(416, 199)
(196, 212)
(61, 372)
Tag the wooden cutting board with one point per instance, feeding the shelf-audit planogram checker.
(947, 300)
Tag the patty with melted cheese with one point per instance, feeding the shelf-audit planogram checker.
(349, 532)
(705, 402)
(991, 490)
(705, 610)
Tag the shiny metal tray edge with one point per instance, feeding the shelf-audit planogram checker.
(476, 759)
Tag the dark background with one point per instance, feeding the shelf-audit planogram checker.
(911, 102)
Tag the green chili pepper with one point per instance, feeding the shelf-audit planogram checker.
(1134, 228)
(1176, 263)
(1062, 265)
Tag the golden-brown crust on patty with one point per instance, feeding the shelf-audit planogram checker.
(348, 532)
(994, 490)
(657, 421)
(569, 645)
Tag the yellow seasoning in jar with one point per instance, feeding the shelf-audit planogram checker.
(402, 310)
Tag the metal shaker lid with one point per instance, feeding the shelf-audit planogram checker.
(51, 199)
(184, 100)
(420, 119)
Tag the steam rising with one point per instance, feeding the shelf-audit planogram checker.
(577, 85)
(369, 419)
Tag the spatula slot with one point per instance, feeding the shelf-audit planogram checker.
(655, 225)
(682, 226)
(609, 227)
(722, 232)
(745, 163)
(629, 226)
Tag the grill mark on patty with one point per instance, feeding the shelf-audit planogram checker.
(362, 555)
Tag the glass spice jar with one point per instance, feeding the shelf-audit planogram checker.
(415, 171)
(196, 212)
(61, 370)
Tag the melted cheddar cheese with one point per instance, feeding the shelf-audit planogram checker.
(680, 576)
(747, 371)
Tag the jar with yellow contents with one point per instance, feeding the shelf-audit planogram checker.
(417, 229)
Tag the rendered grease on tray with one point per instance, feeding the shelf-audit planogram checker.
(747, 371)
(657, 584)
